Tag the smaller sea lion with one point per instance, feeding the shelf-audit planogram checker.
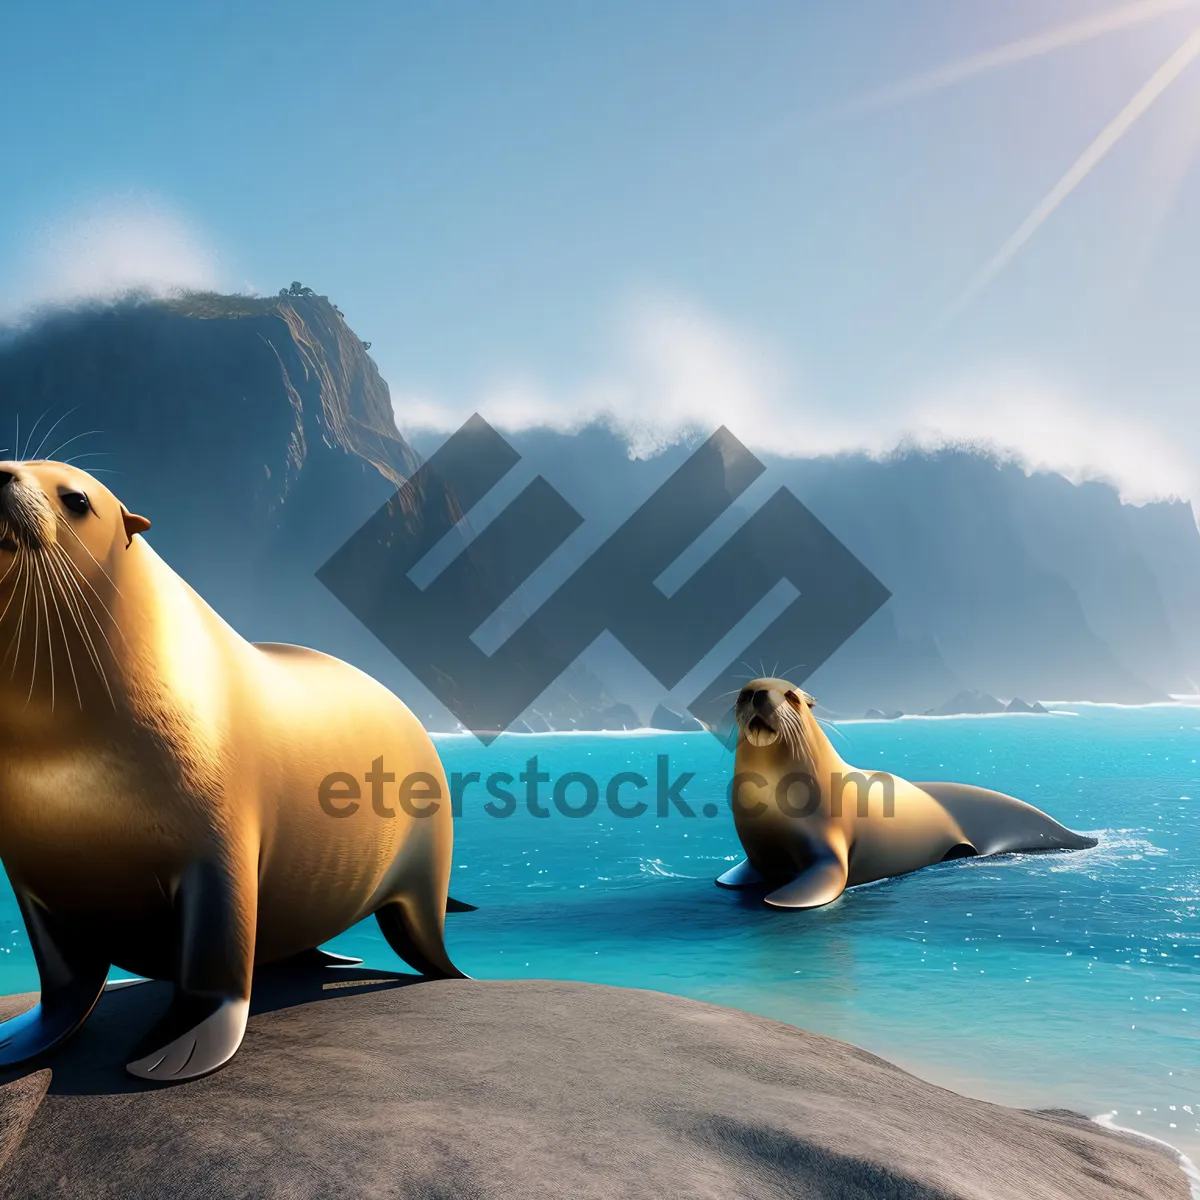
(812, 825)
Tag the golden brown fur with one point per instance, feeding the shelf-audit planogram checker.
(159, 781)
(812, 825)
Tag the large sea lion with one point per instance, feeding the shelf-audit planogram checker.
(179, 802)
(812, 825)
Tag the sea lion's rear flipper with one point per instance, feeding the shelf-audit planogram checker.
(72, 978)
(741, 876)
(819, 884)
(995, 823)
(215, 910)
(412, 930)
(459, 906)
(320, 958)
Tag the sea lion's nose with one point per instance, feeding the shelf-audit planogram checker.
(6, 477)
(762, 702)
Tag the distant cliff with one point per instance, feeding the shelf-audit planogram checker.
(257, 435)
(1018, 584)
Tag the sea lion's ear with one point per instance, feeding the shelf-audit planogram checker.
(133, 524)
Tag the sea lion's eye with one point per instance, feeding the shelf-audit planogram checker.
(77, 502)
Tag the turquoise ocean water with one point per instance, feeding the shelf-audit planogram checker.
(1067, 980)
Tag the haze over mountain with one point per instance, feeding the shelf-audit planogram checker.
(258, 436)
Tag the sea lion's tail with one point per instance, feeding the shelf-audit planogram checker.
(995, 823)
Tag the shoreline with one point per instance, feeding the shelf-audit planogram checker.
(1010, 1095)
(1058, 708)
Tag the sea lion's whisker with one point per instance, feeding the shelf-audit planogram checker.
(77, 616)
(84, 605)
(830, 725)
(54, 595)
(18, 562)
(45, 436)
(11, 566)
(63, 445)
(99, 567)
(78, 575)
(57, 593)
(37, 634)
(16, 585)
(20, 625)
(80, 603)
(41, 586)
(24, 457)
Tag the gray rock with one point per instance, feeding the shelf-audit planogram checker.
(965, 703)
(381, 1087)
(672, 721)
(614, 716)
(1017, 705)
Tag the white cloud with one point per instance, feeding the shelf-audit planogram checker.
(678, 372)
(1049, 428)
(108, 248)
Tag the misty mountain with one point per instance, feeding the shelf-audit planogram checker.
(257, 435)
(1018, 584)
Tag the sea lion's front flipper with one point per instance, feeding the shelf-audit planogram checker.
(201, 1031)
(72, 976)
(819, 884)
(741, 876)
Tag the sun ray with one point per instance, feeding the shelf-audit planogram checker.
(1112, 133)
(1012, 53)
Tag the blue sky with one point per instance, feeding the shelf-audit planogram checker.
(664, 212)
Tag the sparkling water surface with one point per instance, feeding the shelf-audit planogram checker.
(1067, 980)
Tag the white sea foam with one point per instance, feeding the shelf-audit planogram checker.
(659, 869)
(1174, 702)
(1188, 1167)
(942, 717)
(644, 731)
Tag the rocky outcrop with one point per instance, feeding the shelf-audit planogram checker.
(674, 722)
(351, 1084)
(970, 702)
